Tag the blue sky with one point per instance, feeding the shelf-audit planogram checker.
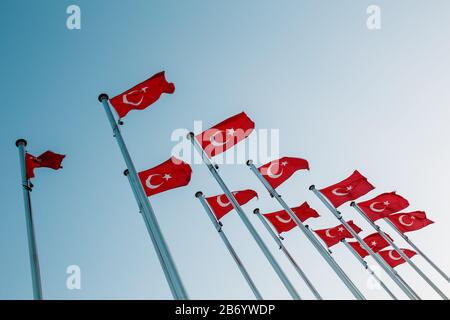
(342, 96)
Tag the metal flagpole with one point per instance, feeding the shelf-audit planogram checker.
(388, 269)
(213, 169)
(288, 255)
(32, 247)
(218, 225)
(367, 267)
(397, 249)
(162, 250)
(406, 238)
(324, 253)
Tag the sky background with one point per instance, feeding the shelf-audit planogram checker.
(342, 96)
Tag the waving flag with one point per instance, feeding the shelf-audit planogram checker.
(142, 95)
(332, 236)
(383, 205)
(220, 205)
(393, 258)
(283, 222)
(349, 189)
(412, 221)
(48, 159)
(278, 171)
(375, 242)
(170, 174)
(226, 134)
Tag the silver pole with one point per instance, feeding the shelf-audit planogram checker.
(218, 226)
(367, 267)
(406, 238)
(288, 255)
(323, 252)
(213, 169)
(162, 250)
(32, 247)
(397, 249)
(387, 268)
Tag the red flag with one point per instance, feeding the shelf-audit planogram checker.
(283, 222)
(332, 236)
(375, 241)
(48, 159)
(226, 134)
(278, 171)
(383, 205)
(170, 174)
(393, 258)
(349, 189)
(142, 95)
(220, 205)
(412, 221)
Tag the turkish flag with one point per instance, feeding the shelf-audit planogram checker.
(383, 205)
(375, 242)
(412, 221)
(226, 134)
(393, 258)
(48, 159)
(283, 222)
(220, 205)
(142, 95)
(349, 189)
(332, 236)
(278, 171)
(170, 174)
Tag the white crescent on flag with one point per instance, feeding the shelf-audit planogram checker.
(327, 233)
(148, 181)
(400, 219)
(337, 192)
(271, 174)
(125, 97)
(283, 220)
(372, 207)
(220, 203)
(392, 256)
(215, 143)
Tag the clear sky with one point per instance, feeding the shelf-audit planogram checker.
(342, 96)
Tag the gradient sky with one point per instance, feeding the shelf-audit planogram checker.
(342, 96)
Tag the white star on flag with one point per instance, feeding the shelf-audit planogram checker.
(167, 176)
(230, 131)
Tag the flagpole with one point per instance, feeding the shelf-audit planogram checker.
(388, 269)
(288, 255)
(161, 248)
(406, 238)
(397, 249)
(218, 226)
(318, 246)
(213, 169)
(32, 247)
(367, 267)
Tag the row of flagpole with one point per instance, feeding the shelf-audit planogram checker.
(308, 233)
(167, 263)
(213, 169)
(389, 270)
(397, 249)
